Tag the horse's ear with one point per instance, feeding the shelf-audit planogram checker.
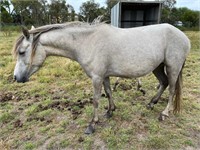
(25, 32)
(32, 27)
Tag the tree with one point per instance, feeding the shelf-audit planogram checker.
(72, 13)
(110, 4)
(189, 17)
(90, 10)
(168, 6)
(5, 16)
(58, 11)
(36, 12)
(44, 12)
(22, 9)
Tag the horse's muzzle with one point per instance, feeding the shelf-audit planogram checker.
(20, 80)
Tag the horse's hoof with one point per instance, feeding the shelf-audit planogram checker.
(108, 114)
(143, 92)
(150, 106)
(162, 117)
(114, 90)
(90, 129)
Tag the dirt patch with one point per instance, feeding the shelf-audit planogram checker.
(80, 139)
(125, 87)
(8, 96)
(18, 123)
(4, 97)
(38, 119)
(75, 108)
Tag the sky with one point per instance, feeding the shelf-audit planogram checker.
(77, 3)
(191, 4)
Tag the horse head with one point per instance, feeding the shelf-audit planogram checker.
(29, 60)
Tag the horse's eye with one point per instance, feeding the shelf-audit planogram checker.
(21, 53)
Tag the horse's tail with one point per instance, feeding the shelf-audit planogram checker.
(178, 92)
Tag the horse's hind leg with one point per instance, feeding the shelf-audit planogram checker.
(175, 88)
(163, 80)
(116, 84)
(111, 107)
(139, 86)
(165, 113)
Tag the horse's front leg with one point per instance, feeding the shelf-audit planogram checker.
(108, 91)
(97, 85)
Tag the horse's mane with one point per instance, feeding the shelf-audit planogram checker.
(38, 31)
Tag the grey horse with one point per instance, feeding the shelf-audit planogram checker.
(104, 51)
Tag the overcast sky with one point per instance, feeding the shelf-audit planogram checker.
(191, 4)
(77, 3)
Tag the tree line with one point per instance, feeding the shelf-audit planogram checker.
(41, 12)
(171, 14)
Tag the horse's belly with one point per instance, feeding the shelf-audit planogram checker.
(131, 69)
(136, 62)
(129, 73)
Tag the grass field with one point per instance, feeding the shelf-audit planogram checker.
(52, 110)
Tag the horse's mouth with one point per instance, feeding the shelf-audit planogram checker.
(21, 80)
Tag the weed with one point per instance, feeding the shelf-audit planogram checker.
(189, 143)
(44, 129)
(60, 130)
(64, 123)
(45, 113)
(32, 110)
(64, 143)
(29, 146)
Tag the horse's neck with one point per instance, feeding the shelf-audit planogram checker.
(65, 42)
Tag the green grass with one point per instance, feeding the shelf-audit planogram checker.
(6, 117)
(44, 113)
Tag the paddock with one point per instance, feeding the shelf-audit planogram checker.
(51, 111)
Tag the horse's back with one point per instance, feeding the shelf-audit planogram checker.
(153, 39)
(135, 52)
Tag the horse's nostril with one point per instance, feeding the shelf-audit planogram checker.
(24, 79)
